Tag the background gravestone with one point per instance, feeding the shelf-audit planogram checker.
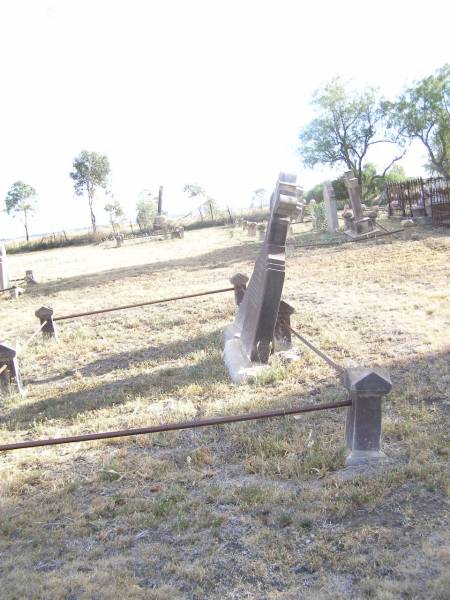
(255, 322)
(4, 280)
(330, 206)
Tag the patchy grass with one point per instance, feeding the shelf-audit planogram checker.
(250, 510)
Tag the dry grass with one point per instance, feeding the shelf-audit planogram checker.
(255, 510)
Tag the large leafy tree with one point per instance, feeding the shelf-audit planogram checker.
(21, 199)
(90, 172)
(423, 112)
(347, 126)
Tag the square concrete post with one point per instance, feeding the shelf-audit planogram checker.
(363, 430)
(282, 334)
(45, 314)
(239, 281)
(9, 370)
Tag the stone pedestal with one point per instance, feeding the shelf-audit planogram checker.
(45, 315)
(239, 281)
(363, 430)
(9, 370)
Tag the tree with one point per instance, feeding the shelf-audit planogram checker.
(211, 205)
(423, 112)
(258, 196)
(346, 127)
(146, 209)
(90, 172)
(116, 212)
(21, 199)
(193, 190)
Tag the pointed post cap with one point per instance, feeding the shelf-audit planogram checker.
(44, 312)
(7, 352)
(369, 382)
(239, 279)
(285, 310)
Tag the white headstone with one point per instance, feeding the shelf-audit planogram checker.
(3, 268)
(330, 206)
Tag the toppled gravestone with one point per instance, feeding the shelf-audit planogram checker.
(249, 341)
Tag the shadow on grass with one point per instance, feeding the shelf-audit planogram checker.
(216, 259)
(163, 380)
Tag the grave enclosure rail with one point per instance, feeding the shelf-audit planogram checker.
(420, 198)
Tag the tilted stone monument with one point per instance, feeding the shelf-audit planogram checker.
(9, 370)
(250, 339)
(360, 226)
(4, 280)
(330, 207)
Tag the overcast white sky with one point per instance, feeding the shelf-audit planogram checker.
(207, 91)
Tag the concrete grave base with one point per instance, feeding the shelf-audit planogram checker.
(240, 368)
(362, 236)
(364, 457)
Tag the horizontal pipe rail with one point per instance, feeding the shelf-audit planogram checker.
(172, 426)
(125, 306)
(365, 239)
(316, 350)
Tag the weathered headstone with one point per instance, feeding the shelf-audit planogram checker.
(251, 229)
(239, 282)
(45, 316)
(250, 338)
(4, 279)
(360, 225)
(261, 228)
(330, 206)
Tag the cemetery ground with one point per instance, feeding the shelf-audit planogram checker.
(262, 509)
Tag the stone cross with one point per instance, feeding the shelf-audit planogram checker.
(4, 280)
(256, 319)
(354, 192)
(330, 206)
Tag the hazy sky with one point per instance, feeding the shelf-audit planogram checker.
(173, 92)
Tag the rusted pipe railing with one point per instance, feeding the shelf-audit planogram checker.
(172, 426)
(316, 350)
(365, 239)
(125, 306)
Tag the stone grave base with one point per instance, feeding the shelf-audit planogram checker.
(240, 368)
(364, 457)
(362, 236)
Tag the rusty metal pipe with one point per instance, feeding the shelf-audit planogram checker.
(125, 306)
(172, 426)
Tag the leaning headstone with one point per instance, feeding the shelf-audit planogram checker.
(330, 206)
(9, 369)
(4, 280)
(249, 339)
(360, 225)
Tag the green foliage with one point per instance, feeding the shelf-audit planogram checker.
(315, 193)
(20, 199)
(259, 196)
(422, 112)
(346, 127)
(318, 213)
(91, 171)
(193, 190)
(146, 210)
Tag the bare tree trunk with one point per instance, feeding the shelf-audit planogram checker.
(201, 214)
(211, 211)
(26, 225)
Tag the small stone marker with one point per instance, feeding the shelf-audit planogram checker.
(45, 315)
(4, 279)
(330, 206)
(29, 278)
(250, 338)
(261, 228)
(283, 338)
(251, 230)
(363, 429)
(10, 374)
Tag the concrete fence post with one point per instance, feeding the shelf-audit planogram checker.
(9, 369)
(363, 430)
(45, 315)
(239, 281)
